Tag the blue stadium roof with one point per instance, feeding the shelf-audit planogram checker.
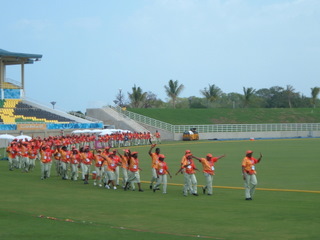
(12, 57)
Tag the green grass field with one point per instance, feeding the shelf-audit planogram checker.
(232, 116)
(286, 204)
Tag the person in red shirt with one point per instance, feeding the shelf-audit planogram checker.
(117, 160)
(86, 160)
(249, 174)
(33, 152)
(64, 160)
(190, 177)
(75, 160)
(208, 170)
(24, 156)
(154, 161)
(158, 137)
(162, 170)
(12, 151)
(46, 158)
(110, 168)
(133, 174)
(124, 165)
(98, 160)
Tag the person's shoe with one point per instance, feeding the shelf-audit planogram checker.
(114, 188)
(209, 194)
(150, 186)
(140, 190)
(107, 186)
(94, 184)
(195, 194)
(100, 185)
(204, 190)
(249, 198)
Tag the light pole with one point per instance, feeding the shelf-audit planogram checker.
(53, 103)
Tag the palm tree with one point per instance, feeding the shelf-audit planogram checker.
(290, 92)
(314, 95)
(248, 93)
(137, 97)
(211, 94)
(173, 90)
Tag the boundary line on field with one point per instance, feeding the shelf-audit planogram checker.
(242, 188)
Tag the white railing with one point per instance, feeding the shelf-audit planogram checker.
(272, 127)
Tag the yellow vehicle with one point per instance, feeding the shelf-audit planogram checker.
(190, 135)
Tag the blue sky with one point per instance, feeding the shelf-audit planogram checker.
(91, 49)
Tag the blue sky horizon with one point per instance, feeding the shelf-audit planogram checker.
(91, 50)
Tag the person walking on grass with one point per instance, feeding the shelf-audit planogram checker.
(208, 171)
(162, 171)
(133, 174)
(154, 161)
(249, 174)
(189, 173)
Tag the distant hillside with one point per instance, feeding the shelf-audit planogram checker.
(232, 116)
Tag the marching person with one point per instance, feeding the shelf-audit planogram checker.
(117, 161)
(12, 151)
(161, 170)
(249, 174)
(86, 160)
(64, 161)
(110, 165)
(75, 160)
(154, 161)
(190, 177)
(158, 137)
(32, 157)
(124, 165)
(98, 159)
(45, 161)
(133, 174)
(24, 156)
(208, 170)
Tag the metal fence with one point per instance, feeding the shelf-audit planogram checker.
(272, 127)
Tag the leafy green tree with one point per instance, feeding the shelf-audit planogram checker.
(211, 94)
(314, 95)
(137, 97)
(248, 93)
(151, 101)
(173, 90)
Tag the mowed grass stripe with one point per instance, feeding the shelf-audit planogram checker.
(241, 188)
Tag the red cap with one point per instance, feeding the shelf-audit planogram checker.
(188, 151)
(249, 151)
(209, 155)
(161, 156)
(134, 153)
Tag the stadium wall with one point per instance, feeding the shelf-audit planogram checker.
(255, 135)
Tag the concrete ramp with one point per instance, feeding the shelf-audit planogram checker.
(118, 120)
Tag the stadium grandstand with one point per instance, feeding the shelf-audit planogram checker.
(17, 111)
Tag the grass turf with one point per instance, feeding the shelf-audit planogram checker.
(277, 211)
(193, 116)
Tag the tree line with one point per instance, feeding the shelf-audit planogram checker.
(213, 97)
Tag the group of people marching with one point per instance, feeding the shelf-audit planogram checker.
(69, 157)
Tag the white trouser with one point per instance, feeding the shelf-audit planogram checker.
(250, 184)
(162, 179)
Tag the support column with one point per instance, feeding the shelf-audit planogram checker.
(22, 80)
(2, 77)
